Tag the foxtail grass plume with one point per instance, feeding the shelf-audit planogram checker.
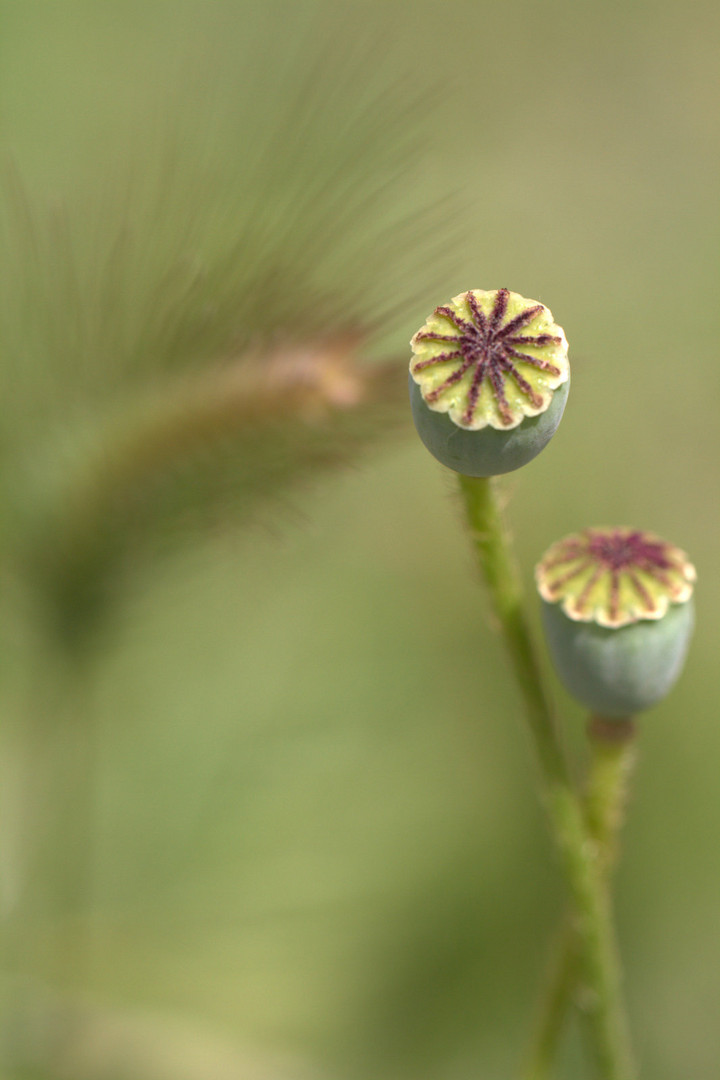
(186, 335)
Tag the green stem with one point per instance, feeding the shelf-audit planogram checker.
(598, 962)
(613, 755)
(50, 765)
(560, 986)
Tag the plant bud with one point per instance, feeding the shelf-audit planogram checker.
(489, 379)
(618, 616)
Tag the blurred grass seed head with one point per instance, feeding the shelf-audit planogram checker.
(185, 340)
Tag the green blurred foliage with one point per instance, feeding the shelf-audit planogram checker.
(317, 844)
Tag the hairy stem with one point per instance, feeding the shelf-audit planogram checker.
(558, 992)
(598, 961)
(613, 755)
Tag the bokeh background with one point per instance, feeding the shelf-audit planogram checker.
(316, 845)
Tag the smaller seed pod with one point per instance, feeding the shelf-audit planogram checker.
(618, 616)
(489, 378)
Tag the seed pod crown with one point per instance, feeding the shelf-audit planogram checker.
(489, 359)
(614, 577)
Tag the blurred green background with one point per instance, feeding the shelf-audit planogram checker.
(318, 850)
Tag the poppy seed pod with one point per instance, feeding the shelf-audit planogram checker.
(618, 616)
(489, 379)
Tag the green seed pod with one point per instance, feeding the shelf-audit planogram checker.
(618, 616)
(489, 379)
